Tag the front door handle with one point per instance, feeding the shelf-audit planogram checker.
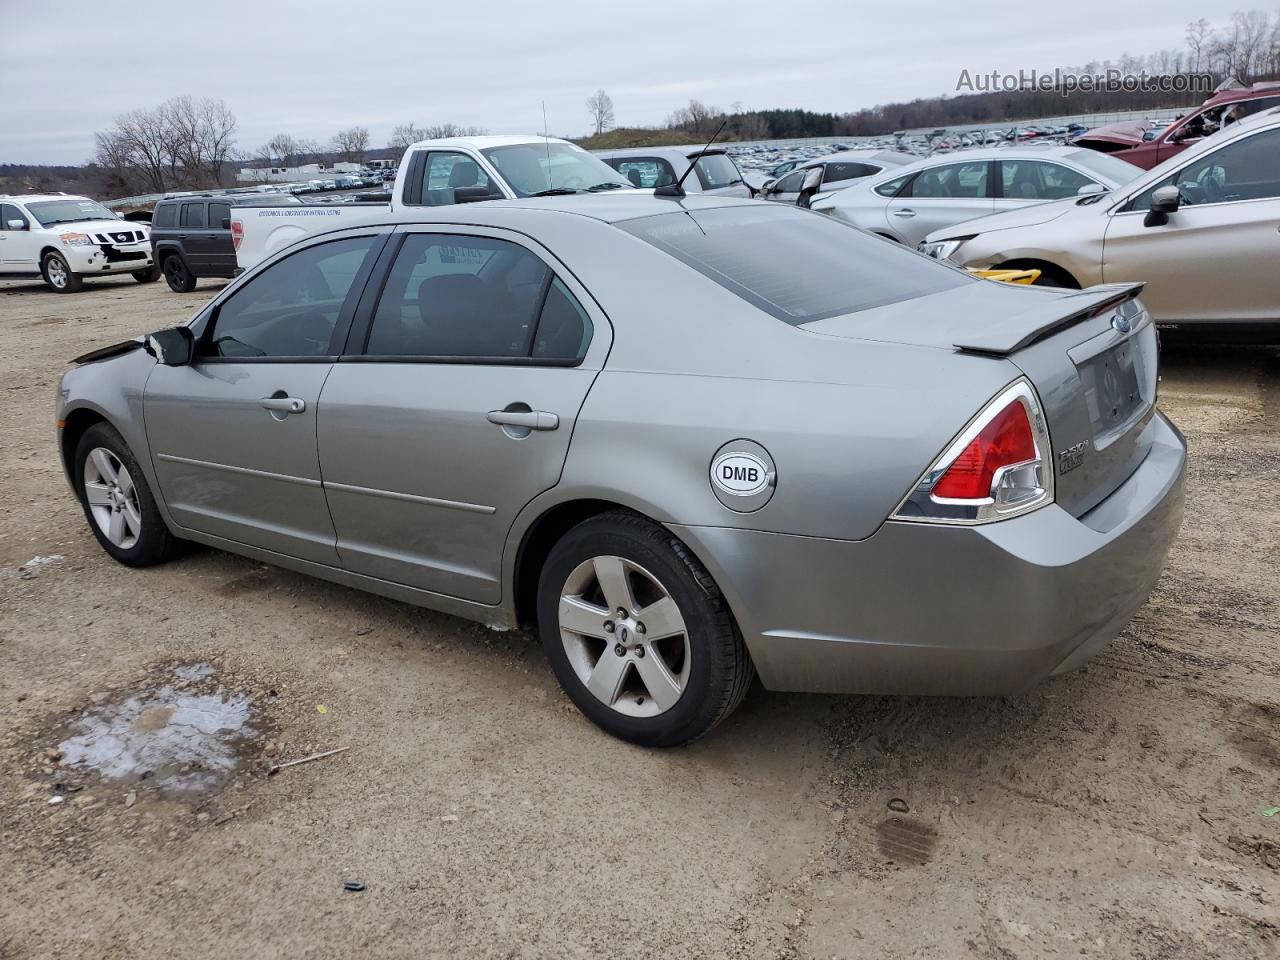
(530, 420)
(906, 212)
(283, 404)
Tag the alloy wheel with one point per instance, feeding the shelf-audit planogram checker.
(112, 498)
(624, 636)
(56, 271)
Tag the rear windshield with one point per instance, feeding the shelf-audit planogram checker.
(1114, 169)
(793, 264)
(717, 170)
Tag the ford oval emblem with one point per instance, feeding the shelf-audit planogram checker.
(740, 474)
(1121, 323)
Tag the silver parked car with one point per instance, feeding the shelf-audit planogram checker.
(713, 172)
(908, 203)
(1199, 229)
(770, 443)
(828, 174)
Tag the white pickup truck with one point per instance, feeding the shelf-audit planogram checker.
(435, 173)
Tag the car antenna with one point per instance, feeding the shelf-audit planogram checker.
(676, 189)
(546, 138)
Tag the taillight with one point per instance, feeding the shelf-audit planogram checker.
(237, 233)
(997, 467)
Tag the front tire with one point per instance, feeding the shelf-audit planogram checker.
(118, 504)
(58, 275)
(638, 634)
(177, 274)
(149, 275)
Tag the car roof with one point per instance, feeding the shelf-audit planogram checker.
(484, 142)
(1234, 94)
(895, 157)
(686, 153)
(30, 197)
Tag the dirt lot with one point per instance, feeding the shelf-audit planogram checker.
(1113, 813)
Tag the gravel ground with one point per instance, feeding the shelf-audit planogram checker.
(1116, 812)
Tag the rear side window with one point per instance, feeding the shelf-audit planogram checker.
(217, 213)
(475, 297)
(193, 215)
(848, 171)
(644, 172)
(794, 265)
(716, 170)
(890, 188)
(290, 309)
(165, 215)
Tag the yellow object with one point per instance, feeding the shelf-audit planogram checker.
(321, 708)
(1009, 276)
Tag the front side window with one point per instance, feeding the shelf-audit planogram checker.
(791, 183)
(836, 172)
(535, 168)
(794, 265)
(193, 215)
(1248, 169)
(447, 172)
(291, 308)
(476, 297)
(644, 172)
(967, 181)
(1039, 180)
(716, 170)
(9, 212)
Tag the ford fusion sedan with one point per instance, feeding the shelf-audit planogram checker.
(1200, 230)
(772, 445)
(908, 203)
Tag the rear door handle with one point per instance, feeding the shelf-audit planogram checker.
(532, 420)
(906, 212)
(283, 404)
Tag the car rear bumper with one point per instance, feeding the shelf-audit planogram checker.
(951, 610)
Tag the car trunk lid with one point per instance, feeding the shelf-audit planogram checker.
(1090, 354)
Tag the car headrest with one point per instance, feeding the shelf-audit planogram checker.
(465, 173)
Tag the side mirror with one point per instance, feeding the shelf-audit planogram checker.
(766, 188)
(1164, 201)
(471, 194)
(173, 347)
(226, 223)
(1091, 188)
(15, 225)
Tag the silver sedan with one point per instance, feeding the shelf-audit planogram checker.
(691, 440)
(908, 203)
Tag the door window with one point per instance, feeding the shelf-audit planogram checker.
(951, 181)
(9, 212)
(645, 172)
(291, 308)
(217, 213)
(836, 172)
(460, 296)
(791, 183)
(1248, 169)
(446, 172)
(1039, 180)
(193, 215)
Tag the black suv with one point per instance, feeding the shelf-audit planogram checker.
(191, 235)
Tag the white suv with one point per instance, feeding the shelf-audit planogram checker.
(66, 238)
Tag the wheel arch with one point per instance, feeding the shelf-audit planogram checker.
(75, 424)
(1045, 266)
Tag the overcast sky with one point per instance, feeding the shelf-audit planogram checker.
(312, 68)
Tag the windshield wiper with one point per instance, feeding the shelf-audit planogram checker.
(608, 185)
(555, 192)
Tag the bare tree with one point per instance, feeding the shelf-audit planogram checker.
(600, 106)
(287, 150)
(752, 126)
(352, 144)
(1198, 39)
(406, 134)
(184, 142)
(443, 131)
(697, 118)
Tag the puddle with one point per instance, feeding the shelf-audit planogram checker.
(180, 742)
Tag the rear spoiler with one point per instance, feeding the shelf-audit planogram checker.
(1005, 335)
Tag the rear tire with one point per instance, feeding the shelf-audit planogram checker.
(177, 274)
(660, 684)
(58, 275)
(149, 275)
(118, 504)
